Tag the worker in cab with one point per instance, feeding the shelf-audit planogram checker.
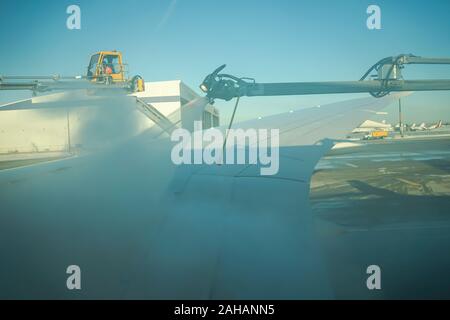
(107, 66)
(108, 70)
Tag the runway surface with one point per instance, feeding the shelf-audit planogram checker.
(386, 203)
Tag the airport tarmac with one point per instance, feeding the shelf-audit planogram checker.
(14, 160)
(387, 204)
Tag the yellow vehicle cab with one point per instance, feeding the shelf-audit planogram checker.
(107, 67)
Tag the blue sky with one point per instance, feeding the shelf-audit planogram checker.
(272, 41)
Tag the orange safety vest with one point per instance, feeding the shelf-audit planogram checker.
(108, 70)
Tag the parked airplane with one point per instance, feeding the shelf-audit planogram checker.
(423, 126)
(436, 126)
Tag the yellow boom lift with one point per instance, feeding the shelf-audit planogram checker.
(106, 70)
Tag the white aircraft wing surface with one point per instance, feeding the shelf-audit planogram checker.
(140, 227)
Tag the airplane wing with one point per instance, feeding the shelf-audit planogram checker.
(140, 227)
(69, 99)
